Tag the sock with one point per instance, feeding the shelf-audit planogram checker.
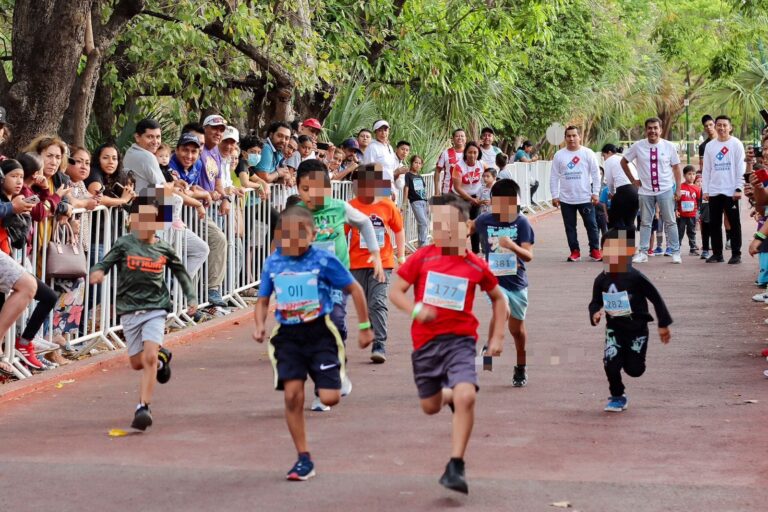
(139, 406)
(24, 342)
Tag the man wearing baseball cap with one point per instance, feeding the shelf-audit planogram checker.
(379, 151)
(312, 128)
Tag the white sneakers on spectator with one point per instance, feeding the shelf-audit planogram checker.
(43, 345)
(760, 297)
(640, 257)
(676, 258)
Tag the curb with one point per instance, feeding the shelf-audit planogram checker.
(114, 358)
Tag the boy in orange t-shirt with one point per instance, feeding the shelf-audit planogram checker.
(372, 198)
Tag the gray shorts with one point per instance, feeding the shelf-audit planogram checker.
(443, 362)
(141, 326)
(10, 272)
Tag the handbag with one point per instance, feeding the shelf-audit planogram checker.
(65, 258)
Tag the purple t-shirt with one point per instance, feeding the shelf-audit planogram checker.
(211, 159)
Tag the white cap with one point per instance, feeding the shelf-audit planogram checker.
(231, 133)
(380, 124)
(214, 120)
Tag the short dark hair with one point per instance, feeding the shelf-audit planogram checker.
(403, 143)
(572, 127)
(304, 138)
(250, 142)
(457, 130)
(653, 120)
(31, 163)
(505, 188)
(609, 148)
(146, 124)
(364, 130)
(527, 143)
(273, 127)
(452, 200)
(313, 166)
(502, 160)
(292, 200)
(194, 126)
(705, 118)
(688, 168)
(723, 117)
(487, 129)
(619, 233)
(295, 212)
(490, 171)
(471, 144)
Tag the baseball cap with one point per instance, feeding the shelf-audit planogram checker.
(380, 124)
(214, 120)
(350, 143)
(188, 138)
(312, 123)
(3, 118)
(231, 133)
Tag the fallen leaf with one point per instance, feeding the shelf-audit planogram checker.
(237, 323)
(750, 401)
(61, 383)
(561, 504)
(116, 432)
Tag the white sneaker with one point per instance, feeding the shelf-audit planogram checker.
(319, 406)
(43, 345)
(346, 385)
(760, 297)
(640, 257)
(765, 373)
(676, 258)
(766, 320)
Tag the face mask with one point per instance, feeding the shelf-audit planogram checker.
(254, 159)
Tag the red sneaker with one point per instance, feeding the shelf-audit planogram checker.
(575, 256)
(595, 255)
(765, 352)
(650, 252)
(27, 355)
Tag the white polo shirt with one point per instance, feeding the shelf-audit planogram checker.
(654, 165)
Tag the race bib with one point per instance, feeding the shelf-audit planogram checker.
(444, 291)
(325, 245)
(380, 234)
(503, 264)
(687, 206)
(617, 304)
(297, 296)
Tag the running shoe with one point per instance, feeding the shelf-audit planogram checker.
(378, 354)
(27, 355)
(303, 470)
(640, 258)
(319, 406)
(617, 404)
(715, 259)
(705, 255)
(735, 260)
(142, 419)
(346, 385)
(43, 345)
(693, 252)
(650, 252)
(164, 372)
(574, 257)
(658, 251)
(453, 478)
(764, 352)
(668, 252)
(519, 378)
(760, 297)
(595, 255)
(765, 372)
(214, 298)
(676, 258)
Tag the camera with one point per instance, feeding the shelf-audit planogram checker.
(758, 150)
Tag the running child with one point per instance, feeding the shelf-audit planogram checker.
(330, 216)
(373, 199)
(143, 301)
(416, 193)
(687, 206)
(489, 178)
(507, 240)
(305, 341)
(622, 292)
(444, 331)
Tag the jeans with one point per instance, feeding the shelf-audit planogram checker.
(421, 212)
(719, 205)
(376, 296)
(587, 212)
(687, 224)
(666, 202)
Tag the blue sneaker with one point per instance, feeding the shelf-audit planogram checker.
(303, 470)
(658, 251)
(214, 298)
(668, 252)
(617, 404)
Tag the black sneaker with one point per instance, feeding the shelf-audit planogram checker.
(715, 259)
(453, 478)
(164, 373)
(303, 470)
(142, 419)
(735, 260)
(519, 378)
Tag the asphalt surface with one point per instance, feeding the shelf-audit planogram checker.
(689, 440)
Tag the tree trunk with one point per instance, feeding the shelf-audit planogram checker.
(317, 104)
(48, 40)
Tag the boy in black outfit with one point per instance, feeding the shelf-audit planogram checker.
(622, 292)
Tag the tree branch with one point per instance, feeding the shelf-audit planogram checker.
(124, 11)
(281, 75)
(378, 47)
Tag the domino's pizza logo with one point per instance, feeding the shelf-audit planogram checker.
(573, 162)
(722, 153)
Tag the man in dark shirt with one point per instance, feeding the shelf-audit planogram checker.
(709, 129)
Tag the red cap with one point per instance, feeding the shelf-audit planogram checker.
(312, 123)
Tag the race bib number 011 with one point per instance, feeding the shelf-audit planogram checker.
(617, 304)
(503, 264)
(297, 296)
(444, 291)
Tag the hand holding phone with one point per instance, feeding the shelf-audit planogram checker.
(32, 199)
(762, 176)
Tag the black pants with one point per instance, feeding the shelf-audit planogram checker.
(533, 188)
(601, 219)
(474, 212)
(718, 206)
(624, 350)
(687, 225)
(705, 236)
(624, 207)
(46, 300)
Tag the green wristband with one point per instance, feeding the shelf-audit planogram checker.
(364, 325)
(416, 310)
(760, 236)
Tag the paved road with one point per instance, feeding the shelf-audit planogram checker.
(688, 441)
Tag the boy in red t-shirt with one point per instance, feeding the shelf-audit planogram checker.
(444, 331)
(372, 198)
(687, 206)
